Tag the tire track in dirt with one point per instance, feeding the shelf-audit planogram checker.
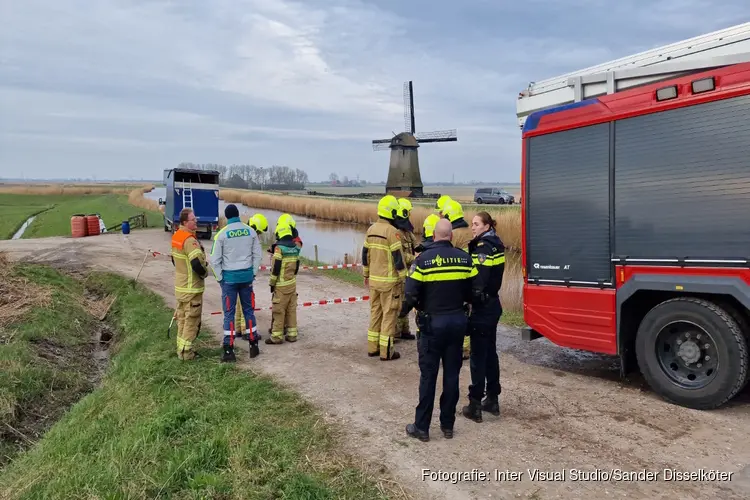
(561, 409)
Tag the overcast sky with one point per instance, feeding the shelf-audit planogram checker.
(98, 87)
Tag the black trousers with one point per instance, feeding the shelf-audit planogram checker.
(483, 361)
(441, 339)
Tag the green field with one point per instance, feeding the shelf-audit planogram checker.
(16, 208)
(153, 426)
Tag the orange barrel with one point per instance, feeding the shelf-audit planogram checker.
(92, 223)
(78, 226)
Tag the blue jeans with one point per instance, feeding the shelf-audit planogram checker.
(229, 294)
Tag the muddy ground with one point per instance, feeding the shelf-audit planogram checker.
(561, 409)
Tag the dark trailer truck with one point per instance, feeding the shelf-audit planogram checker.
(636, 214)
(196, 189)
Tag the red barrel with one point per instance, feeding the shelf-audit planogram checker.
(92, 223)
(78, 226)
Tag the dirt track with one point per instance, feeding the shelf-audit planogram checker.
(561, 409)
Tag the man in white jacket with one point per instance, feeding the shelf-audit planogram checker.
(235, 259)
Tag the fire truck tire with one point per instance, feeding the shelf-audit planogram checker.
(692, 352)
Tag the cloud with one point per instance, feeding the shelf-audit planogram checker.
(112, 86)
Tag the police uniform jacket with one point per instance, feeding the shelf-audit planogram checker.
(488, 256)
(440, 280)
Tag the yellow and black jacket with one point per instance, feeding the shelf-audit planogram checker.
(189, 261)
(383, 260)
(285, 264)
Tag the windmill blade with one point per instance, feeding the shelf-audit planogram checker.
(381, 144)
(437, 136)
(408, 108)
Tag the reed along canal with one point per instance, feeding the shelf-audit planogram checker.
(333, 239)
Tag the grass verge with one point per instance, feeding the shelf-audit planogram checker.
(157, 426)
(15, 209)
(46, 353)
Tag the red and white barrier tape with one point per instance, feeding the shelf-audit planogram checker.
(305, 268)
(324, 302)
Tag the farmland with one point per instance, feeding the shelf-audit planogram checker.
(53, 206)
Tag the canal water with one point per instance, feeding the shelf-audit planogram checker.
(333, 239)
(23, 228)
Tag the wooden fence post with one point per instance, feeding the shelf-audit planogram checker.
(316, 255)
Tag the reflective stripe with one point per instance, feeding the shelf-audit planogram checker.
(372, 336)
(195, 253)
(181, 289)
(384, 340)
(382, 279)
(448, 273)
(490, 260)
(183, 344)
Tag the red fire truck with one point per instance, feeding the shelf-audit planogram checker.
(636, 214)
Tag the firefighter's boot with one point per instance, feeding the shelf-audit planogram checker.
(491, 405)
(228, 356)
(473, 411)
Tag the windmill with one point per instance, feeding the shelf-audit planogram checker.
(403, 172)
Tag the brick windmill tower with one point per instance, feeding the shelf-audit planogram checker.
(404, 177)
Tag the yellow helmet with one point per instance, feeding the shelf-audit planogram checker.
(283, 230)
(441, 202)
(286, 219)
(429, 225)
(259, 223)
(388, 207)
(453, 211)
(405, 206)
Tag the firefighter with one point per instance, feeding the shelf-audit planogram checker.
(488, 256)
(428, 228)
(461, 238)
(235, 260)
(440, 282)
(441, 202)
(408, 241)
(259, 223)
(191, 270)
(286, 220)
(282, 221)
(284, 287)
(383, 269)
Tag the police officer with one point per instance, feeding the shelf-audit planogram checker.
(408, 242)
(488, 255)
(440, 282)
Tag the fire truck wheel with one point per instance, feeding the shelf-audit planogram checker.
(692, 352)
